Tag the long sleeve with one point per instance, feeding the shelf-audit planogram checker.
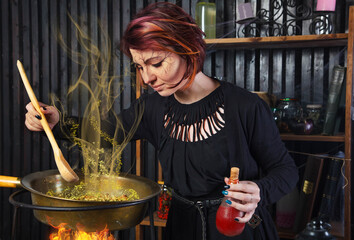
(255, 145)
(277, 166)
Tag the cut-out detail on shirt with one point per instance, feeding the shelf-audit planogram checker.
(197, 121)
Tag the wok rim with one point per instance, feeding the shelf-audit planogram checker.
(25, 183)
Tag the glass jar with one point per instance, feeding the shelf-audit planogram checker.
(315, 113)
(288, 109)
(205, 14)
(165, 198)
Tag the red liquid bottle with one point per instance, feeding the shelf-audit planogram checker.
(165, 198)
(225, 216)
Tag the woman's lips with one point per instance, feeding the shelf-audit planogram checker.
(157, 87)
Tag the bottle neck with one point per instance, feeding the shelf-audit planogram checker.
(233, 181)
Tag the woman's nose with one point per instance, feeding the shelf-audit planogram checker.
(148, 77)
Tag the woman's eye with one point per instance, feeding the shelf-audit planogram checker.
(157, 64)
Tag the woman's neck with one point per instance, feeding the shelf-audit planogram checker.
(200, 88)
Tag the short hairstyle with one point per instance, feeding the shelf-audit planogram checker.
(164, 26)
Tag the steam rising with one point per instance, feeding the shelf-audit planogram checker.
(101, 96)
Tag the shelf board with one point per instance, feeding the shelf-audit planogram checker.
(313, 138)
(158, 222)
(298, 41)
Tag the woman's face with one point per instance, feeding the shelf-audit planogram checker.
(161, 70)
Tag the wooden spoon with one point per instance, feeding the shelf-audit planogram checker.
(64, 168)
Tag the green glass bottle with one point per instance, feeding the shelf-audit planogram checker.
(205, 13)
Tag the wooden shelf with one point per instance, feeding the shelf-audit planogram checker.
(313, 138)
(299, 41)
(158, 222)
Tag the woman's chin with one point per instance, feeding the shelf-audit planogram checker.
(165, 93)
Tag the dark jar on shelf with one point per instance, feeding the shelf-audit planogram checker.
(316, 230)
(287, 110)
(165, 198)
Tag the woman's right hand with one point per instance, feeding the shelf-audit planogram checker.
(32, 121)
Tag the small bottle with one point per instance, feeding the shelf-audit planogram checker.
(165, 198)
(205, 14)
(226, 214)
(315, 113)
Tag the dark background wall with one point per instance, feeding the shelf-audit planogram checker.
(28, 30)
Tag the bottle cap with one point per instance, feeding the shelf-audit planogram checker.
(313, 106)
(234, 173)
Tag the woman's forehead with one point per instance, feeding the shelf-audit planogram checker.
(145, 56)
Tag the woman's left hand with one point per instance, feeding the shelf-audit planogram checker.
(244, 197)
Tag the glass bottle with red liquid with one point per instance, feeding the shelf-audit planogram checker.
(165, 198)
(226, 214)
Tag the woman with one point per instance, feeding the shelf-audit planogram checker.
(201, 127)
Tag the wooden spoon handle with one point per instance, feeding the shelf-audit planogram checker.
(64, 168)
(36, 105)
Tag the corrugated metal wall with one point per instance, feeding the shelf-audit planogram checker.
(28, 29)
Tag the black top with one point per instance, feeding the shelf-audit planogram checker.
(193, 150)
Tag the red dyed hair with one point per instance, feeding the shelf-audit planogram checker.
(164, 26)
